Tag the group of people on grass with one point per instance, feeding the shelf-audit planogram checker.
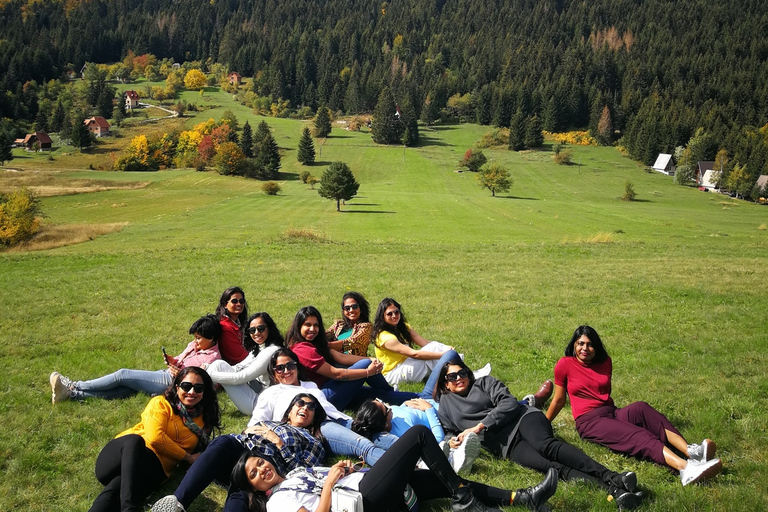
(296, 389)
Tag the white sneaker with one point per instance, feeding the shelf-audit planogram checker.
(464, 456)
(696, 471)
(168, 504)
(483, 372)
(702, 452)
(60, 391)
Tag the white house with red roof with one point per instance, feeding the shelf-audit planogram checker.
(98, 126)
(131, 100)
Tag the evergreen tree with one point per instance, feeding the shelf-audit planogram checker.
(268, 158)
(483, 105)
(57, 119)
(65, 132)
(338, 183)
(6, 150)
(306, 153)
(322, 122)
(262, 131)
(533, 136)
(105, 102)
(411, 132)
(502, 109)
(517, 132)
(387, 128)
(81, 137)
(246, 140)
(41, 121)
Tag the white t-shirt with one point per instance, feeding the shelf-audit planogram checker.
(274, 401)
(302, 489)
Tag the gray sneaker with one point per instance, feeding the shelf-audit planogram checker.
(59, 388)
(168, 504)
(696, 471)
(483, 372)
(464, 456)
(702, 452)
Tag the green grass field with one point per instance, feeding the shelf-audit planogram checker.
(674, 283)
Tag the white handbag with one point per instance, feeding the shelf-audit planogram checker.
(344, 499)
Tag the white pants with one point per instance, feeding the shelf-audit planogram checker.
(416, 370)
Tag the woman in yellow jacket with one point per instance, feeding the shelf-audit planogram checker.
(174, 427)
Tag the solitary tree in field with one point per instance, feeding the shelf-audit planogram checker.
(195, 80)
(338, 183)
(306, 153)
(629, 191)
(322, 122)
(473, 160)
(495, 178)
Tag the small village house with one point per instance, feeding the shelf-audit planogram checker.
(235, 78)
(705, 175)
(40, 138)
(664, 164)
(131, 100)
(98, 126)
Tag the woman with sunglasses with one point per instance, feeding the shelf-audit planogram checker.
(340, 376)
(204, 349)
(295, 440)
(175, 426)
(232, 313)
(352, 333)
(395, 339)
(244, 381)
(518, 432)
(637, 429)
(382, 487)
(285, 371)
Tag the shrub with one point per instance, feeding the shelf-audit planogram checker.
(629, 191)
(312, 181)
(563, 157)
(19, 212)
(271, 188)
(304, 175)
(496, 137)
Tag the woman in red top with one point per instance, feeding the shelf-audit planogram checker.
(637, 429)
(233, 315)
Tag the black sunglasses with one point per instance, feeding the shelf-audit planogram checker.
(188, 386)
(394, 312)
(285, 368)
(351, 307)
(310, 405)
(453, 377)
(259, 328)
(237, 301)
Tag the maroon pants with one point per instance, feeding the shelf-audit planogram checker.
(637, 429)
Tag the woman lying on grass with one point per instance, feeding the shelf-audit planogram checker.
(295, 441)
(637, 429)
(518, 432)
(383, 486)
(395, 339)
(244, 381)
(352, 333)
(125, 382)
(174, 427)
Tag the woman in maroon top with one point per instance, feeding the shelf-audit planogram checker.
(637, 429)
(233, 315)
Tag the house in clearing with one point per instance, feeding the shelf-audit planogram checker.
(235, 78)
(705, 175)
(664, 164)
(131, 100)
(98, 126)
(40, 138)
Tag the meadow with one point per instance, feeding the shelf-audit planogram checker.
(674, 283)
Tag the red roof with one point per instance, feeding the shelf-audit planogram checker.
(100, 121)
(235, 74)
(40, 137)
(132, 94)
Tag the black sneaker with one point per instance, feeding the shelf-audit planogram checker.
(624, 499)
(535, 498)
(464, 501)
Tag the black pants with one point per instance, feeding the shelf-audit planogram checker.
(382, 487)
(535, 446)
(129, 472)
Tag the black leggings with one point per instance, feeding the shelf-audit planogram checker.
(535, 446)
(382, 487)
(129, 472)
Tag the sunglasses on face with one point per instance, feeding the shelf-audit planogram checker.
(394, 312)
(259, 328)
(351, 307)
(285, 368)
(311, 406)
(188, 386)
(387, 408)
(453, 377)
(237, 301)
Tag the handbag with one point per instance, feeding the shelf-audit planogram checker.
(344, 499)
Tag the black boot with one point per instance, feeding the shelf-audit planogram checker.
(625, 499)
(627, 480)
(464, 501)
(535, 498)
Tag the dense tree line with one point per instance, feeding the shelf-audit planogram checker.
(651, 71)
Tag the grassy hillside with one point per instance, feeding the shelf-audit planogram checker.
(674, 283)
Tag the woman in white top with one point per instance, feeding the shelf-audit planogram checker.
(244, 381)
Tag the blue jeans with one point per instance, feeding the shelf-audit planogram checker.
(342, 441)
(122, 384)
(346, 394)
(215, 463)
(429, 387)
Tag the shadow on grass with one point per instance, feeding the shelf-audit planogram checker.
(425, 141)
(519, 197)
(367, 211)
(334, 136)
(287, 176)
(322, 163)
(365, 204)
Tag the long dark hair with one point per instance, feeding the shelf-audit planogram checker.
(584, 330)
(365, 309)
(284, 351)
(221, 311)
(317, 419)
(273, 333)
(401, 331)
(209, 403)
(369, 420)
(257, 500)
(320, 342)
(440, 388)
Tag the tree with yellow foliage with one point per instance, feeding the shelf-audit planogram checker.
(19, 212)
(195, 80)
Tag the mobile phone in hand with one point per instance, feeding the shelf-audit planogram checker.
(165, 354)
